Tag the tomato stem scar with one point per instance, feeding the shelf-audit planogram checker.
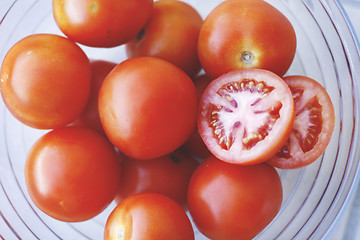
(93, 7)
(121, 233)
(247, 57)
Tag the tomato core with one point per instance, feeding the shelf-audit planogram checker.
(244, 97)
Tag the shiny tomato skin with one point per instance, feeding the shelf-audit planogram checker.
(148, 107)
(168, 175)
(90, 116)
(170, 34)
(148, 216)
(313, 125)
(228, 201)
(45, 81)
(101, 23)
(72, 173)
(195, 145)
(240, 34)
(246, 116)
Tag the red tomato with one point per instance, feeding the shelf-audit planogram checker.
(90, 116)
(195, 145)
(148, 107)
(240, 34)
(201, 83)
(170, 34)
(101, 23)
(246, 116)
(148, 216)
(313, 125)
(228, 201)
(72, 173)
(168, 175)
(45, 81)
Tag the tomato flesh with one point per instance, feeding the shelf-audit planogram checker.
(313, 125)
(246, 116)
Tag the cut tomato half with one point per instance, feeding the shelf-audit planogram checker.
(246, 116)
(313, 124)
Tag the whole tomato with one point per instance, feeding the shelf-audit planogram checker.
(90, 116)
(170, 34)
(240, 34)
(101, 23)
(168, 175)
(148, 107)
(45, 81)
(72, 173)
(148, 216)
(228, 201)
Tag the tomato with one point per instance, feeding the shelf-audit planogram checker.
(45, 81)
(72, 173)
(168, 175)
(313, 125)
(90, 116)
(148, 107)
(170, 34)
(101, 23)
(240, 34)
(228, 201)
(246, 116)
(195, 145)
(148, 216)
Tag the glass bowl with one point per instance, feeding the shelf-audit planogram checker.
(314, 196)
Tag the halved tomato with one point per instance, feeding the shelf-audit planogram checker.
(313, 125)
(246, 116)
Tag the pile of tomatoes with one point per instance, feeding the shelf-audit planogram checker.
(196, 120)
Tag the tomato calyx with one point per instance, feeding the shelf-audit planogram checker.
(140, 35)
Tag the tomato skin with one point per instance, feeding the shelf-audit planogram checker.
(38, 81)
(168, 175)
(72, 173)
(170, 34)
(195, 145)
(148, 216)
(246, 116)
(148, 107)
(101, 23)
(228, 201)
(240, 34)
(90, 116)
(313, 126)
